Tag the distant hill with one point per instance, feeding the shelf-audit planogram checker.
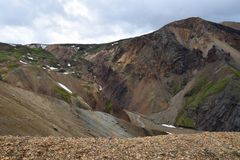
(235, 25)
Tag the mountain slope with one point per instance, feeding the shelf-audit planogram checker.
(184, 74)
(26, 113)
(145, 73)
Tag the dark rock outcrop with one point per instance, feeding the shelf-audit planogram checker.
(215, 54)
(221, 113)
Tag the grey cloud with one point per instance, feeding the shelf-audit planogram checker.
(159, 12)
(85, 21)
(22, 12)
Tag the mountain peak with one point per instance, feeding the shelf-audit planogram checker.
(189, 22)
(193, 19)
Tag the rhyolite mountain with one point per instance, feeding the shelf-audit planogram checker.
(234, 25)
(186, 74)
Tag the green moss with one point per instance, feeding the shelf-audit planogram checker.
(177, 85)
(236, 72)
(200, 92)
(176, 88)
(66, 96)
(39, 55)
(12, 66)
(74, 94)
(4, 57)
(108, 106)
(199, 84)
(196, 96)
(185, 121)
(96, 48)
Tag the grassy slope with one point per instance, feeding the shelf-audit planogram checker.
(17, 53)
(66, 96)
(204, 88)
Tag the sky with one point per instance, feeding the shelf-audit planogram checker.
(99, 21)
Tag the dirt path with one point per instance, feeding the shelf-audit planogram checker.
(140, 122)
(196, 146)
(143, 121)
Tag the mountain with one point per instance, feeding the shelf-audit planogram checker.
(186, 74)
(234, 25)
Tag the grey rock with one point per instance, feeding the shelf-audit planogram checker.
(222, 113)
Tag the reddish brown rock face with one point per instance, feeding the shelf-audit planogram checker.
(137, 75)
(150, 75)
(62, 53)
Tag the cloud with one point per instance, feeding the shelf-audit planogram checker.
(11, 34)
(95, 21)
(77, 9)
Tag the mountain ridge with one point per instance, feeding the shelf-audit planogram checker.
(172, 76)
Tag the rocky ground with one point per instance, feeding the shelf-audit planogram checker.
(194, 146)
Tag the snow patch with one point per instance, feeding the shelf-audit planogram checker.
(66, 73)
(69, 65)
(114, 43)
(43, 46)
(23, 62)
(64, 87)
(169, 126)
(52, 68)
(100, 88)
(75, 48)
(30, 58)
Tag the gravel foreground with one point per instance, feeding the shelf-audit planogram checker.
(195, 146)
